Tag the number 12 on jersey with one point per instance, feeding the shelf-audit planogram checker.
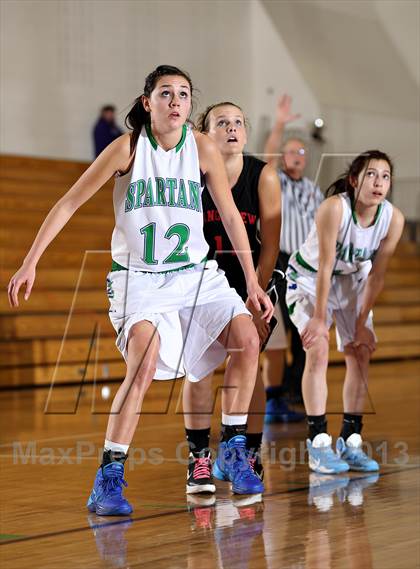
(178, 255)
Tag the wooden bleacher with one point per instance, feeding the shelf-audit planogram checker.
(32, 336)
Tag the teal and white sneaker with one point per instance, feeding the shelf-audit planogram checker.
(351, 451)
(322, 458)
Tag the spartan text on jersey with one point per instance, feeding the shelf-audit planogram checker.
(349, 253)
(163, 192)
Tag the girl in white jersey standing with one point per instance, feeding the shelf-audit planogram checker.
(174, 313)
(338, 274)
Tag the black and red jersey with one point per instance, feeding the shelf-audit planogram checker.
(245, 195)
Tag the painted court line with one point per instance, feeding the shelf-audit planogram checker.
(161, 515)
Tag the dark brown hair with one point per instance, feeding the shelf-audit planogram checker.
(360, 163)
(137, 117)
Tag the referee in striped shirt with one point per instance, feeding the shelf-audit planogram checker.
(301, 198)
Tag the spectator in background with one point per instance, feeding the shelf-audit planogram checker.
(300, 200)
(106, 129)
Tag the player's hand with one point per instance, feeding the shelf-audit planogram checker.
(364, 337)
(284, 113)
(260, 300)
(315, 329)
(261, 325)
(24, 276)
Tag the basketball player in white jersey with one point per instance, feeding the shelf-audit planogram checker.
(174, 313)
(338, 274)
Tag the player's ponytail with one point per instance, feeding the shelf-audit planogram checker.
(137, 117)
(360, 164)
(135, 120)
(340, 186)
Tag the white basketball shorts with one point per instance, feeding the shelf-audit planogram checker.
(189, 308)
(344, 303)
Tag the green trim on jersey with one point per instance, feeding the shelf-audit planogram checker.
(376, 216)
(153, 140)
(308, 267)
(150, 136)
(182, 139)
(353, 213)
(117, 267)
(304, 264)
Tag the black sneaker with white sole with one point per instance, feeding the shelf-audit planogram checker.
(199, 475)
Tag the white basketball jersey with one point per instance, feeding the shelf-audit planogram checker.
(356, 245)
(158, 211)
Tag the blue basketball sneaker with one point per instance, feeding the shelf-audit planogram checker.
(106, 498)
(278, 411)
(232, 463)
(351, 451)
(322, 458)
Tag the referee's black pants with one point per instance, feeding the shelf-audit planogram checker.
(292, 379)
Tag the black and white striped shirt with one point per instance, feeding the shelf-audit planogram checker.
(300, 200)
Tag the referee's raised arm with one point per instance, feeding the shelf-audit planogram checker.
(274, 141)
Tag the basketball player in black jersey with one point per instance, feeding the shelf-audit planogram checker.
(256, 192)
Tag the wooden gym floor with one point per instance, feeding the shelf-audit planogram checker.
(48, 463)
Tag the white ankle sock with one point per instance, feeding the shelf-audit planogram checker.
(115, 447)
(232, 420)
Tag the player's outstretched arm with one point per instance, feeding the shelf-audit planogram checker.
(115, 157)
(211, 164)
